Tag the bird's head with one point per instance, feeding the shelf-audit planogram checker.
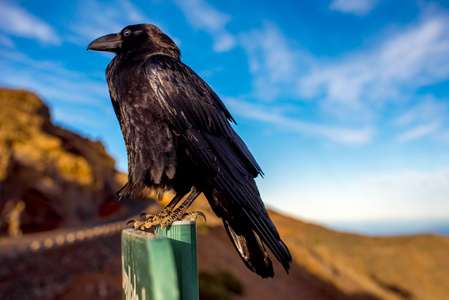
(144, 39)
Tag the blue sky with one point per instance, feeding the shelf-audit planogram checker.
(343, 103)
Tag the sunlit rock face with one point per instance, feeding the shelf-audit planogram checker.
(62, 178)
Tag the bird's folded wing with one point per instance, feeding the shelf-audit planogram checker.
(190, 104)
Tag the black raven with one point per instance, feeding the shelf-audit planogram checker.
(178, 136)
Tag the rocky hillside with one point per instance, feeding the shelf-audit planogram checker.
(49, 176)
(334, 265)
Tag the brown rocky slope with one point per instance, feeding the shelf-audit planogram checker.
(335, 265)
(57, 177)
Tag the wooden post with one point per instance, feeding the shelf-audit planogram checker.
(148, 267)
(183, 237)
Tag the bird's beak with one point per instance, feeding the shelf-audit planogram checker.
(109, 43)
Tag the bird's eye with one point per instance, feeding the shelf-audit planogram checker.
(126, 32)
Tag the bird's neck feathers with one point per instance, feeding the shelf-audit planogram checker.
(151, 47)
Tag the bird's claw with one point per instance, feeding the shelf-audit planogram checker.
(130, 222)
(193, 216)
(164, 219)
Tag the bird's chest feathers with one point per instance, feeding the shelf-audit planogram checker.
(131, 90)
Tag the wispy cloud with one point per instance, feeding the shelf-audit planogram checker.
(357, 86)
(427, 109)
(419, 131)
(203, 16)
(425, 118)
(274, 65)
(15, 20)
(51, 79)
(357, 7)
(113, 18)
(401, 64)
(335, 133)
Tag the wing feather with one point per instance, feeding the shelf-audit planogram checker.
(190, 103)
(196, 112)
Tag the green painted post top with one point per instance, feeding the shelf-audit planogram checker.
(148, 267)
(183, 239)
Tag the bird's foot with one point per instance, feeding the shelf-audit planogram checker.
(164, 219)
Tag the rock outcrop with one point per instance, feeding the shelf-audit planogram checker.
(54, 176)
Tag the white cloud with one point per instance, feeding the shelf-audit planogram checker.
(131, 12)
(335, 133)
(419, 131)
(113, 17)
(203, 16)
(401, 64)
(425, 118)
(357, 7)
(273, 64)
(15, 20)
(49, 78)
(357, 87)
(427, 109)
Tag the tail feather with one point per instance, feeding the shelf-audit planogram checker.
(251, 231)
(266, 229)
(252, 251)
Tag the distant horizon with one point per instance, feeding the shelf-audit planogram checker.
(385, 228)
